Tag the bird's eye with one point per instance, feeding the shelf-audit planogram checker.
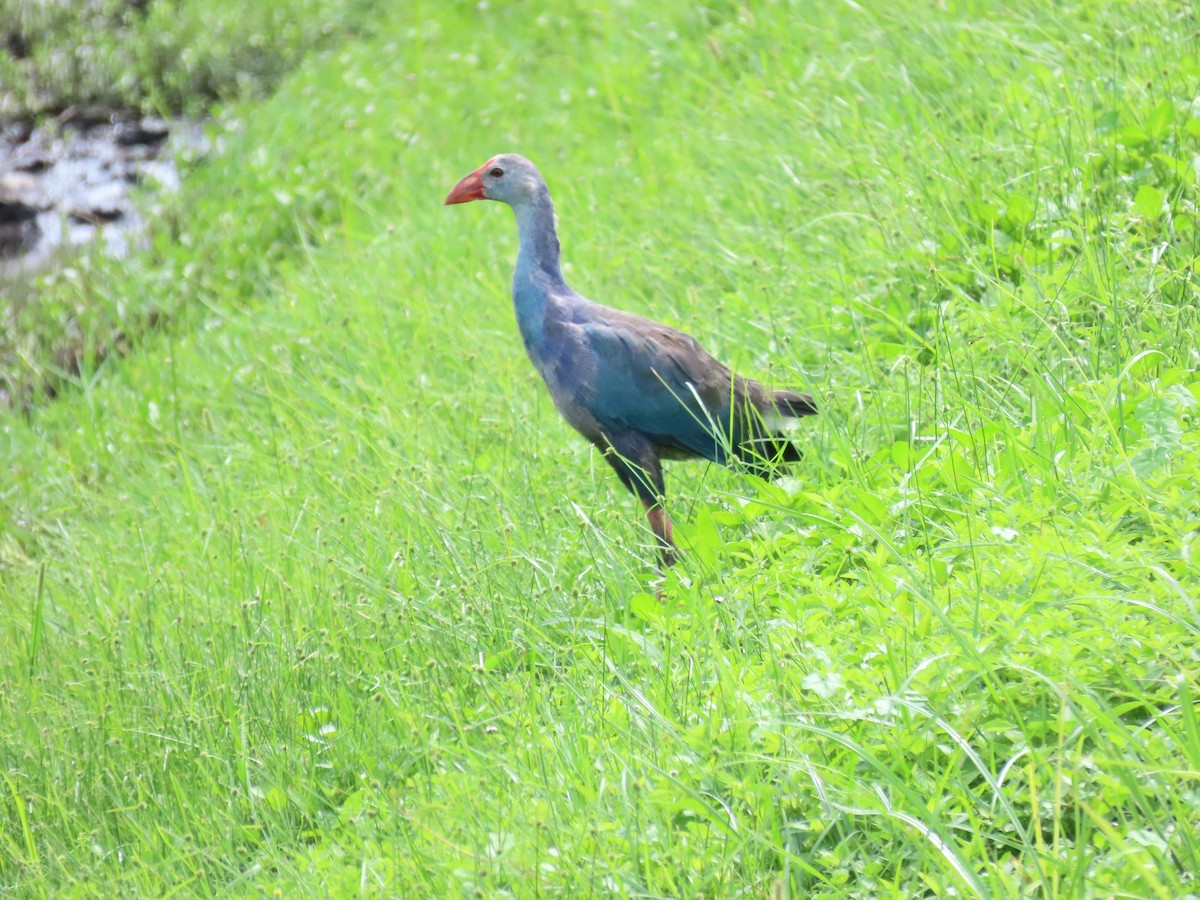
(496, 172)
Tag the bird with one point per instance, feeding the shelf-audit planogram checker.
(638, 390)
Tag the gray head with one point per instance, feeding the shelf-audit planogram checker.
(509, 178)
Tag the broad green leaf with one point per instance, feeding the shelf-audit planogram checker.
(1149, 460)
(1019, 213)
(1181, 169)
(646, 607)
(1148, 202)
(1181, 395)
(903, 455)
(1160, 119)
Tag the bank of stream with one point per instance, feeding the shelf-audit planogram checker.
(71, 183)
(82, 182)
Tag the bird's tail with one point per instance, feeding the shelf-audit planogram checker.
(793, 405)
(765, 445)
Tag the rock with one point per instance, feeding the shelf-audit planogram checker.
(108, 194)
(16, 45)
(14, 212)
(34, 163)
(99, 204)
(86, 117)
(15, 186)
(147, 133)
(19, 230)
(17, 132)
(96, 216)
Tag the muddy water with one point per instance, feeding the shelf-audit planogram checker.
(70, 182)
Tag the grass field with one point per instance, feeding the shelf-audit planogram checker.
(157, 56)
(313, 594)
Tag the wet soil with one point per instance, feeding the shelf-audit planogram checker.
(69, 182)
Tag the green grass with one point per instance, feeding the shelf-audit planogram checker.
(158, 56)
(94, 59)
(314, 594)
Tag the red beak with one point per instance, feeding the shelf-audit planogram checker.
(470, 188)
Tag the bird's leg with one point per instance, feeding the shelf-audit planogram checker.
(637, 463)
(660, 524)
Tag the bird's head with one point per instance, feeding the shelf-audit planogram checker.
(509, 178)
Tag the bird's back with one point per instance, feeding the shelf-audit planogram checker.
(628, 373)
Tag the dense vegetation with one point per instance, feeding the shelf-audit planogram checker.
(158, 56)
(314, 593)
(70, 65)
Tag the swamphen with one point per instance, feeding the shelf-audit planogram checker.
(638, 390)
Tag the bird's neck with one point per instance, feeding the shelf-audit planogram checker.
(537, 233)
(537, 275)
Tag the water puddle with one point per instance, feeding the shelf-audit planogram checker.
(68, 183)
